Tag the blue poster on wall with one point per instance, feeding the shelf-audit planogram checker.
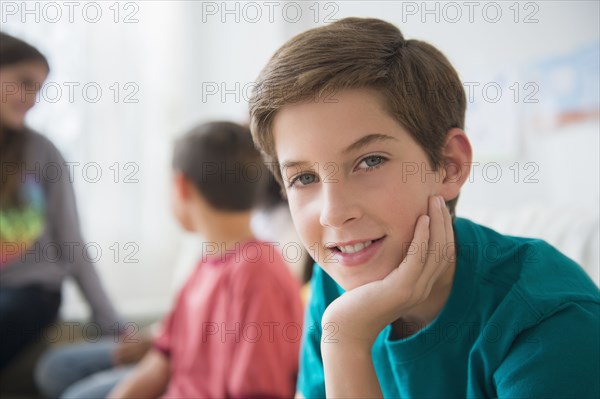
(569, 89)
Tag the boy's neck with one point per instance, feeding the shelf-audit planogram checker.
(226, 229)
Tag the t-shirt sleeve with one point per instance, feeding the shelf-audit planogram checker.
(557, 358)
(311, 378)
(265, 358)
(162, 342)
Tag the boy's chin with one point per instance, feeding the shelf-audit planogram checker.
(350, 283)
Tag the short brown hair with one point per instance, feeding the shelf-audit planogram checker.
(419, 87)
(221, 161)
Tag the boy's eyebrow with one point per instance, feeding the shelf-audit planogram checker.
(293, 164)
(357, 145)
(366, 140)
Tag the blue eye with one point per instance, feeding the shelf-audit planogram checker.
(305, 179)
(373, 161)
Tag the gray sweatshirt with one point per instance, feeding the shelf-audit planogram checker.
(43, 245)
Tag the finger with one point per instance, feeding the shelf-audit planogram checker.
(437, 237)
(412, 265)
(421, 240)
(398, 286)
(446, 247)
(435, 264)
(449, 250)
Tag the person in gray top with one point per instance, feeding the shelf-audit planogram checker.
(40, 238)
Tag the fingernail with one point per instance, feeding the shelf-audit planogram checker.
(427, 220)
(440, 202)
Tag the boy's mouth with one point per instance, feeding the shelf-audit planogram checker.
(354, 253)
(353, 246)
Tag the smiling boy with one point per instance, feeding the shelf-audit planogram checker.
(413, 302)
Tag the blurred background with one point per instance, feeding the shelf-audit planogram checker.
(128, 77)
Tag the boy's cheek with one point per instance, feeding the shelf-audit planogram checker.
(178, 209)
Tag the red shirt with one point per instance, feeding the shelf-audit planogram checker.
(235, 330)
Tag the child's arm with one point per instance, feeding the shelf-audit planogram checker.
(149, 379)
(131, 352)
(352, 322)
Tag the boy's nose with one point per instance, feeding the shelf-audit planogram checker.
(339, 206)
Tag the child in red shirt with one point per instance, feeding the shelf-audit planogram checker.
(235, 329)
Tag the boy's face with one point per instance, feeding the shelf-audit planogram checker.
(181, 194)
(346, 192)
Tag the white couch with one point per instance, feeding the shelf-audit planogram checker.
(573, 231)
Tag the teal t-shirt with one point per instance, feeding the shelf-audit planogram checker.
(522, 320)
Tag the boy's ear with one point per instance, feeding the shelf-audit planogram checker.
(457, 156)
(182, 185)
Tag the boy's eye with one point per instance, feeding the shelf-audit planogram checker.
(307, 178)
(304, 179)
(372, 161)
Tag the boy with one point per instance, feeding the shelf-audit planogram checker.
(366, 129)
(234, 329)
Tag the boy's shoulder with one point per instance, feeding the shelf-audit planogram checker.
(536, 307)
(530, 265)
(522, 282)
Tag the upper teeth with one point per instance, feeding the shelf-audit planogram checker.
(350, 249)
